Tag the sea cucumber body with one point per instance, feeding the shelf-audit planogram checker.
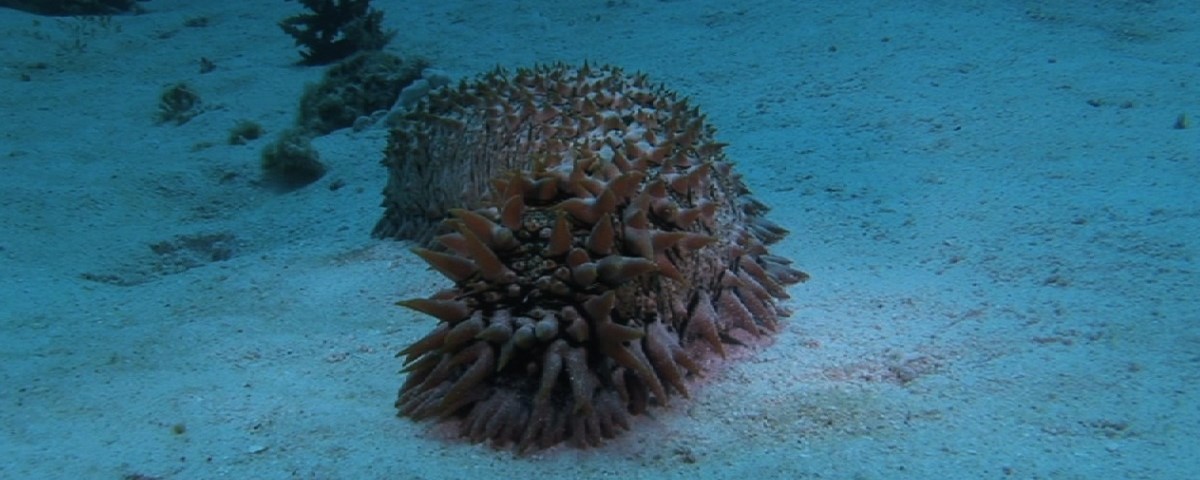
(599, 244)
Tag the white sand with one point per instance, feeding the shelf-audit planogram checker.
(1004, 275)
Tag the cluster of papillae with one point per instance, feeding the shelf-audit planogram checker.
(602, 250)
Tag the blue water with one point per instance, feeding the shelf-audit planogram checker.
(996, 202)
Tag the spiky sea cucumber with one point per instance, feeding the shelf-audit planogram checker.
(599, 244)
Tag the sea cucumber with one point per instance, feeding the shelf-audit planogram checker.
(600, 247)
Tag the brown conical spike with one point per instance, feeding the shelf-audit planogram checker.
(454, 242)
(681, 159)
(544, 189)
(587, 107)
(413, 400)
(544, 116)
(577, 256)
(600, 240)
(611, 336)
(620, 161)
(660, 153)
(671, 126)
(518, 184)
(660, 240)
(767, 231)
(611, 121)
(615, 269)
(587, 123)
(703, 323)
(630, 357)
(686, 217)
(696, 241)
(600, 306)
(464, 332)
(656, 189)
(710, 149)
(751, 205)
(635, 215)
(490, 266)
(495, 236)
(589, 210)
(450, 311)
(667, 269)
(606, 171)
(428, 343)
(729, 307)
(638, 241)
(745, 283)
(512, 213)
(659, 346)
(651, 137)
(478, 225)
(454, 267)
(757, 306)
(605, 203)
(560, 237)
(625, 185)
(482, 359)
(781, 271)
(590, 186)
(748, 266)
(576, 175)
(634, 151)
(679, 183)
(698, 175)
(420, 367)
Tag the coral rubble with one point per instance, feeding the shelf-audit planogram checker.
(358, 86)
(336, 29)
(73, 7)
(178, 104)
(290, 162)
(600, 246)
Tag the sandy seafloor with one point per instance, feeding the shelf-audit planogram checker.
(999, 218)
